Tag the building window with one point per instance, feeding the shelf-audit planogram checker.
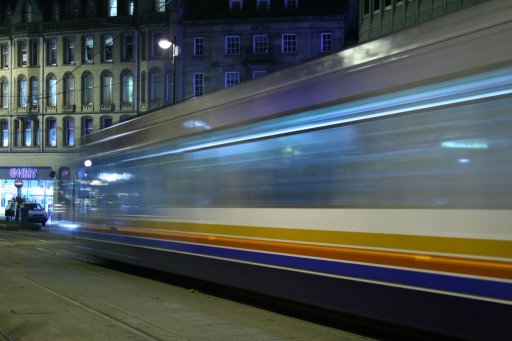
(69, 132)
(5, 56)
(236, 5)
(87, 125)
(17, 132)
(143, 87)
(131, 7)
(91, 8)
(291, 4)
(198, 46)
(8, 16)
(289, 43)
(87, 89)
(22, 92)
(263, 5)
(34, 92)
(28, 126)
(326, 42)
(387, 4)
(128, 46)
(106, 88)
(73, 8)
(376, 5)
(198, 84)
(69, 50)
(160, 5)
(51, 82)
(34, 48)
(69, 89)
(112, 8)
(55, 11)
(5, 94)
(51, 132)
(22, 53)
(106, 121)
(155, 87)
(26, 133)
(125, 118)
(27, 15)
(127, 88)
(88, 49)
(260, 44)
(168, 87)
(4, 125)
(52, 51)
(37, 133)
(233, 45)
(231, 79)
(258, 74)
(108, 46)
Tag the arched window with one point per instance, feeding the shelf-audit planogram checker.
(69, 89)
(127, 88)
(87, 89)
(106, 88)
(22, 92)
(51, 86)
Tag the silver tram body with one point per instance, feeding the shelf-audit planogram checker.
(376, 181)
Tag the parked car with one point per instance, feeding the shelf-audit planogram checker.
(36, 212)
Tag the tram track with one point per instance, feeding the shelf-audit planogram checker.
(50, 291)
(101, 309)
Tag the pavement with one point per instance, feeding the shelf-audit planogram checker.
(49, 293)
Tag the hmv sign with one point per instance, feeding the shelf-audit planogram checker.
(26, 173)
(23, 173)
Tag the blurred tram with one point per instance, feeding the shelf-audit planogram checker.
(375, 182)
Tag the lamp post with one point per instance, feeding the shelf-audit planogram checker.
(171, 45)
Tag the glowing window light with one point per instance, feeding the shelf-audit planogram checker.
(113, 177)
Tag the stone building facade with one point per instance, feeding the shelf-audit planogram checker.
(69, 68)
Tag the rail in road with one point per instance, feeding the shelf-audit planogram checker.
(49, 292)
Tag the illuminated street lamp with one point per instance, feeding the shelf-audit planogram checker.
(167, 44)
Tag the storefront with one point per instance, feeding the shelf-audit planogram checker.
(37, 185)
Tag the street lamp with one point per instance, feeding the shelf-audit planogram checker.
(168, 44)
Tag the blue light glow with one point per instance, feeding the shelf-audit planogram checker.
(458, 91)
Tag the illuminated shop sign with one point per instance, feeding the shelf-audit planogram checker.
(27, 173)
(23, 173)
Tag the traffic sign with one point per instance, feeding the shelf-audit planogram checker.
(18, 183)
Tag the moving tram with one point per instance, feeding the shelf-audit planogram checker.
(374, 182)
